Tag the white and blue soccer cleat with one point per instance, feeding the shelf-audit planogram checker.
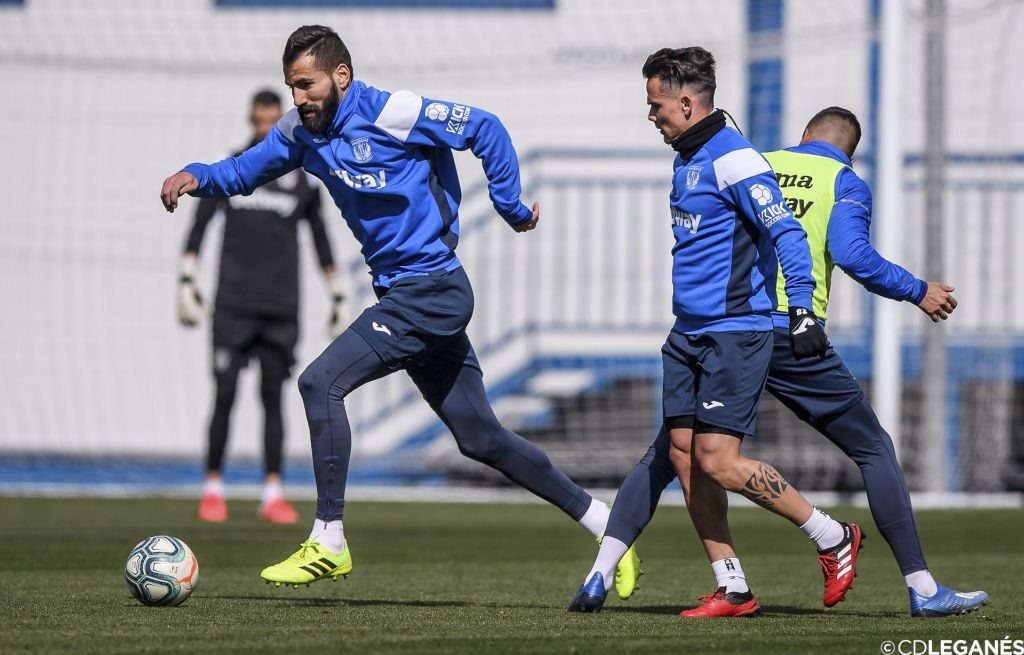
(945, 602)
(590, 597)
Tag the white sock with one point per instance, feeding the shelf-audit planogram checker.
(333, 536)
(271, 492)
(823, 530)
(729, 574)
(318, 528)
(922, 582)
(214, 487)
(596, 518)
(608, 557)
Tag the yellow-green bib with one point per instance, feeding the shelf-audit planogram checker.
(808, 183)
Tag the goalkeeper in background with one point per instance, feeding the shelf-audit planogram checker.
(256, 309)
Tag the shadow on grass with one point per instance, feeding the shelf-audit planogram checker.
(817, 611)
(342, 602)
(768, 612)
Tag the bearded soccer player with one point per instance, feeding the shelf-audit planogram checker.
(732, 231)
(387, 161)
(256, 308)
(834, 206)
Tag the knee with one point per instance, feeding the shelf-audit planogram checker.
(720, 467)
(271, 388)
(680, 461)
(225, 387)
(480, 447)
(312, 383)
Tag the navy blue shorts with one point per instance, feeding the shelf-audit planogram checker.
(815, 389)
(421, 320)
(715, 379)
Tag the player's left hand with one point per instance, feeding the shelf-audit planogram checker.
(532, 223)
(175, 186)
(806, 336)
(938, 302)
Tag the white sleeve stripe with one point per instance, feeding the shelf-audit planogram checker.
(400, 114)
(288, 123)
(739, 165)
(853, 202)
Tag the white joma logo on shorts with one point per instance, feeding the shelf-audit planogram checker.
(381, 328)
(713, 404)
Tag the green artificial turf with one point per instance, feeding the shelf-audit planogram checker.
(473, 578)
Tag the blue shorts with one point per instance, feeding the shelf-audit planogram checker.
(816, 389)
(421, 319)
(715, 379)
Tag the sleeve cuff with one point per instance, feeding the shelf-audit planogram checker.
(197, 171)
(801, 300)
(520, 214)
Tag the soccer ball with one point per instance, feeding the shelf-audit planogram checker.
(761, 194)
(161, 570)
(437, 111)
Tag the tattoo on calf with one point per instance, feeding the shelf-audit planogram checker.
(765, 486)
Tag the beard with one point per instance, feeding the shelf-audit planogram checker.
(322, 116)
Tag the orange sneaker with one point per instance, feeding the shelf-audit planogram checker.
(279, 511)
(213, 509)
(721, 604)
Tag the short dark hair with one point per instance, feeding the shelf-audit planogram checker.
(266, 98)
(684, 67)
(843, 119)
(320, 42)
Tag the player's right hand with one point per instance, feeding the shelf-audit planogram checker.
(806, 336)
(532, 223)
(190, 303)
(938, 302)
(177, 185)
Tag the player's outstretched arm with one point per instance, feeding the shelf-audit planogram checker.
(176, 186)
(420, 121)
(938, 301)
(849, 244)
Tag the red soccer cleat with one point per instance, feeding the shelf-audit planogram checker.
(722, 604)
(839, 565)
(213, 509)
(279, 511)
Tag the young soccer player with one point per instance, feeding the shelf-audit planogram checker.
(386, 159)
(729, 220)
(834, 206)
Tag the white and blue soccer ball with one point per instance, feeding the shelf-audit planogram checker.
(161, 570)
(760, 194)
(437, 111)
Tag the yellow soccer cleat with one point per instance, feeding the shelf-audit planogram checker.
(627, 572)
(311, 562)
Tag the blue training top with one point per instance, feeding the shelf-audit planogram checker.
(849, 241)
(387, 162)
(729, 219)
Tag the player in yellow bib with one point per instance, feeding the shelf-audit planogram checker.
(834, 206)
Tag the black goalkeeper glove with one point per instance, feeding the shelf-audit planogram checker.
(806, 336)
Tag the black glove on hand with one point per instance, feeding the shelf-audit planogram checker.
(806, 336)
